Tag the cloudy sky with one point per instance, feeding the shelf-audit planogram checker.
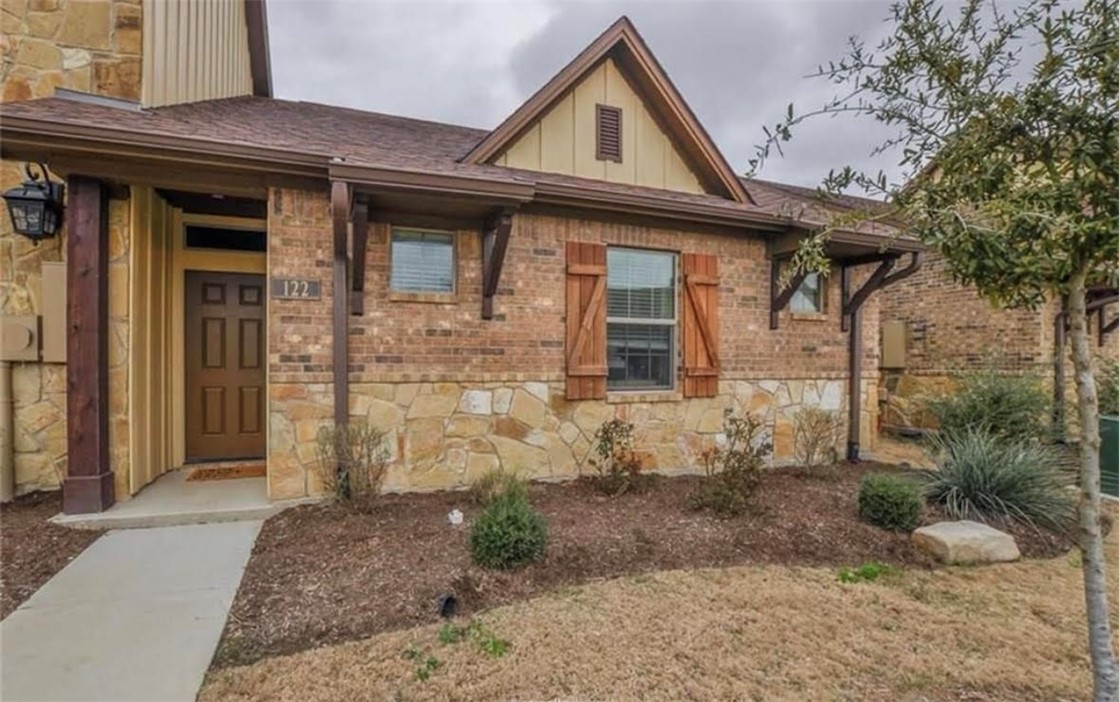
(738, 64)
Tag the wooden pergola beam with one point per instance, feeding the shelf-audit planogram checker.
(851, 321)
(495, 240)
(778, 297)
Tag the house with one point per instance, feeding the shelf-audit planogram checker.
(243, 271)
(933, 328)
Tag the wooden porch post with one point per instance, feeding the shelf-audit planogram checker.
(88, 486)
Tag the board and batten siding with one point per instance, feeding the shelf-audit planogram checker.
(194, 51)
(563, 140)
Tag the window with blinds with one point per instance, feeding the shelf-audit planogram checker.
(640, 319)
(422, 261)
(809, 296)
(608, 133)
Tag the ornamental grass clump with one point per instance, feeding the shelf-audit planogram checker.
(508, 534)
(890, 501)
(985, 478)
(1011, 406)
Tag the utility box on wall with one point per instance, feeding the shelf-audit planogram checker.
(19, 338)
(54, 312)
(893, 345)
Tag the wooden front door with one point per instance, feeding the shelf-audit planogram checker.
(224, 366)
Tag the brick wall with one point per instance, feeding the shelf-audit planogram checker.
(457, 395)
(950, 328)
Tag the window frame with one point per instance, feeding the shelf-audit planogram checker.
(820, 297)
(450, 234)
(673, 324)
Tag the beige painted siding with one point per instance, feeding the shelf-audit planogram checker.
(563, 141)
(194, 50)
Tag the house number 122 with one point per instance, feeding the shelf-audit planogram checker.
(295, 289)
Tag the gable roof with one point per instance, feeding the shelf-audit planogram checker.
(622, 42)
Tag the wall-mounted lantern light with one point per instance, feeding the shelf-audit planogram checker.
(36, 206)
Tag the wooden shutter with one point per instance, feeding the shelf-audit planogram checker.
(608, 133)
(701, 325)
(586, 321)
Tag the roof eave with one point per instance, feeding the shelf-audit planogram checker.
(639, 204)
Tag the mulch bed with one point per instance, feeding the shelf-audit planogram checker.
(32, 548)
(323, 574)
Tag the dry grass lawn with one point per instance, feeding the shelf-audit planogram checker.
(1010, 632)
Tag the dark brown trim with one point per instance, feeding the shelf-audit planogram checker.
(68, 136)
(660, 207)
(373, 179)
(341, 206)
(360, 245)
(495, 239)
(877, 246)
(88, 486)
(622, 41)
(260, 62)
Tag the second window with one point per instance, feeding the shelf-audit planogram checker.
(640, 319)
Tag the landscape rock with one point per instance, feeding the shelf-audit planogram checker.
(966, 543)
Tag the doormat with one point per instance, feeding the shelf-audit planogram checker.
(227, 472)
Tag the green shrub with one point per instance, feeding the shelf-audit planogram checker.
(508, 534)
(1108, 381)
(985, 478)
(734, 470)
(1010, 406)
(890, 501)
(497, 483)
(614, 459)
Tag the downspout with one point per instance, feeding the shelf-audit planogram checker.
(1059, 342)
(341, 200)
(855, 382)
(853, 321)
(7, 434)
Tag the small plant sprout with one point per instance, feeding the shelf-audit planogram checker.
(867, 572)
(485, 639)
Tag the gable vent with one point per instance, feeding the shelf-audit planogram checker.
(608, 131)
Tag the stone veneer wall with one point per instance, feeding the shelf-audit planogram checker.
(39, 389)
(446, 435)
(457, 395)
(90, 46)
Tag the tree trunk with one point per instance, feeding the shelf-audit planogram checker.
(1105, 672)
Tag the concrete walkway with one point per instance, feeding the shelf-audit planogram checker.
(137, 616)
